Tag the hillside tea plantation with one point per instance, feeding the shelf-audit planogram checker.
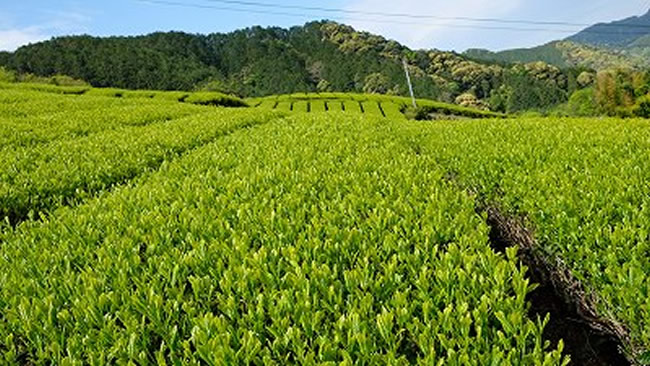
(150, 230)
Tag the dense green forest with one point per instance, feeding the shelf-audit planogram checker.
(622, 44)
(566, 54)
(326, 56)
(250, 62)
(319, 56)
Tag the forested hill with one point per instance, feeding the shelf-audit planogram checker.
(619, 44)
(565, 54)
(253, 61)
(319, 56)
(620, 34)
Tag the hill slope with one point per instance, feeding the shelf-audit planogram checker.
(619, 44)
(319, 56)
(565, 54)
(621, 33)
(252, 61)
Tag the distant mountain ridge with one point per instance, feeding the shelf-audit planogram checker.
(618, 44)
(565, 54)
(618, 34)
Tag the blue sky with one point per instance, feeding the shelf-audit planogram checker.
(22, 22)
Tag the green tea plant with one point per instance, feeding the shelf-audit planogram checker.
(392, 106)
(317, 239)
(26, 118)
(582, 185)
(215, 99)
(46, 88)
(37, 178)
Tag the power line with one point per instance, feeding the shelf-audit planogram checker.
(381, 21)
(415, 16)
(267, 12)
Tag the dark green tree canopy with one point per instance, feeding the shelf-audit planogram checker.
(260, 61)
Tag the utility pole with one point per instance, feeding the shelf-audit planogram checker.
(408, 80)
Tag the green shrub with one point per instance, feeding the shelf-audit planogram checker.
(307, 240)
(64, 80)
(47, 88)
(7, 76)
(642, 107)
(215, 99)
(582, 103)
(428, 112)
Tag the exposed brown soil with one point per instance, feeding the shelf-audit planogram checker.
(589, 339)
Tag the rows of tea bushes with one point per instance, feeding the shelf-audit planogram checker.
(38, 177)
(26, 118)
(214, 99)
(22, 103)
(320, 239)
(332, 102)
(373, 104)
(136, 94)
(201, 98)
(46, 88)
(583, 186)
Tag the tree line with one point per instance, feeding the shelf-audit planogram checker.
(319, 56)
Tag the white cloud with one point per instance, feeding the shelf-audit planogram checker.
(428, 32)
(462, 34)
(11, 39)
(57, 23)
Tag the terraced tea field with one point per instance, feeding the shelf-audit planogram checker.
(156, 228)
(367, 104)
